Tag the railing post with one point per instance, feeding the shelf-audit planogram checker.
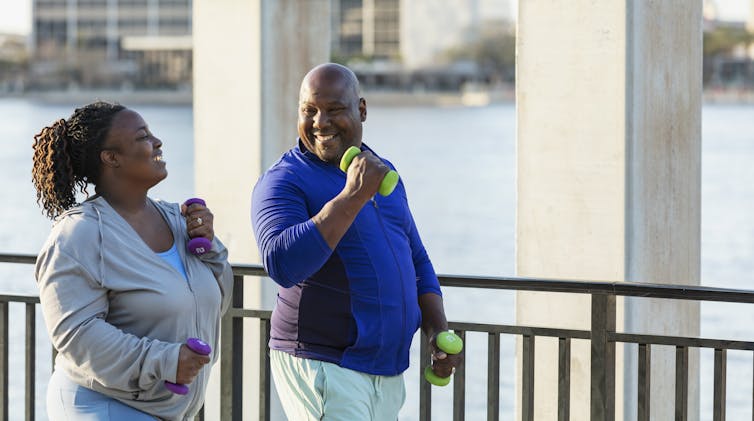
(681, 383)
(721, 364)
(644, 382)
(231, 354)
(264, 370)
(31, 358)
(493, 376)
(527, 378)
(425, 389)
(459, 386)
(564, 379)
(603, 358)
(4, 360)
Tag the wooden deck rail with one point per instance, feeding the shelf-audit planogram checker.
(602, 336)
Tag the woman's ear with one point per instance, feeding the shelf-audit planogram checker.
(109, 158)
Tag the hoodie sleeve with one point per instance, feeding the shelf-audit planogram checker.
(75, 306)
(217, 261)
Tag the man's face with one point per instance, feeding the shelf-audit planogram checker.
(329, 116)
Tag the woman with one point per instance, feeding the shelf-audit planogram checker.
(120, 294)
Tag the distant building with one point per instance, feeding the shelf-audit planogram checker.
(13, 61)
(366, 29)
(431, 27)
(401, 42)
(111, 43)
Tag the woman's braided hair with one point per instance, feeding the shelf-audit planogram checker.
(67, 156)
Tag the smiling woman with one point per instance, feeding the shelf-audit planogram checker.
(120, 298)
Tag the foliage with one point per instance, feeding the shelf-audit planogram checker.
(723, 39)
(494, 51)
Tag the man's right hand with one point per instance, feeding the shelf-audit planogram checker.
(364, 176)
(189, 364)
(363, 180)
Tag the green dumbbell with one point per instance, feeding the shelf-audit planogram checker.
(388, 183)
(450, 343)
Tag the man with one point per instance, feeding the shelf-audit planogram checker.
(356, 280)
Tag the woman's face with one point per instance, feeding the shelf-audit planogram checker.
(136, 152)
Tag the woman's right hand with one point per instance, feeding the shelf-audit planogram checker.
(189, 365)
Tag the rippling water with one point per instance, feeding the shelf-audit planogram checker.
(459, 168)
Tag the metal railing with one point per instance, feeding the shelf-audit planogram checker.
(602, 336)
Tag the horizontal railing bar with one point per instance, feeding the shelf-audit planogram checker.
(520, 330)
(248, 270)
(465, 326)
(681, 292)
(13, 298)
(681, 341)
(632, 289)
(18, 258)
(253, 314)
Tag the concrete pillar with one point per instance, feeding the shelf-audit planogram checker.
(249, 59)
(609, 144)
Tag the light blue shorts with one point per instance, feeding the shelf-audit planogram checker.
(312, 390)
(67, 401)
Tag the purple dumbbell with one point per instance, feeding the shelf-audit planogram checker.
(198, 245)
(198, 346)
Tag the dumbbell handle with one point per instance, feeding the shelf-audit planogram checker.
(198, 346)
(388, 183)
(197, 245)
(450, 343)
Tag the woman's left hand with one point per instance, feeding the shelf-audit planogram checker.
(199, 221)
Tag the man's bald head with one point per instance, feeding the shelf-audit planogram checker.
(330, 74)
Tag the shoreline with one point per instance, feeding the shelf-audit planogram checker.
(469, 98)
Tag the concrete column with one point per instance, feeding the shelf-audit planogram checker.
(609, 143)
(249, 59)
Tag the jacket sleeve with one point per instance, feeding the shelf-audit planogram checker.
(290, 245)
(75, 307)
(426, 278)
(217, 261)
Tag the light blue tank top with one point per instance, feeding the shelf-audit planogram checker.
(174, 259)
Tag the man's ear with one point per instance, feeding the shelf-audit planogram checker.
(109, 158)
(363, 109)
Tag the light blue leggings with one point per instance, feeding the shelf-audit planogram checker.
(67, 401)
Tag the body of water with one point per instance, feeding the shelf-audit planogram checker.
(458, 165)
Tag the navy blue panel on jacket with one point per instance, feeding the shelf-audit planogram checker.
(357, 305)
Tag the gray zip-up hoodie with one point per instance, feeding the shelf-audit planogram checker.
(118, 313)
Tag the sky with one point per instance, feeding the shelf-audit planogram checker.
(15, 15)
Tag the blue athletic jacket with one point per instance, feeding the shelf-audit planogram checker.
(357, 305)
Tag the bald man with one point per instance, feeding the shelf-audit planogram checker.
(355, 280)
